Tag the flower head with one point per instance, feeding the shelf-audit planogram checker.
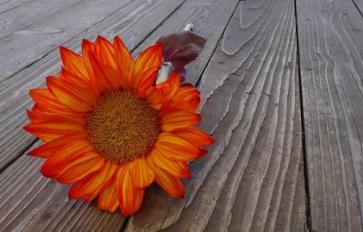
(110, 131)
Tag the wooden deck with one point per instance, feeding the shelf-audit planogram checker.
(282, 94)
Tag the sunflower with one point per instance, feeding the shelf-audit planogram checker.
(110, 131)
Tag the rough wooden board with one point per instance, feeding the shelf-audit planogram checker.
(6, 5)
(359, 5)
(250, 179)
(331, 55)
(29, 44)
(18, 18)
(133, 22)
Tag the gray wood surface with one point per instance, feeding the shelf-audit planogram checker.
(250, 179)
(359, 5)
(6, 5)
(271, 72)
(18, 18)
(331, 54)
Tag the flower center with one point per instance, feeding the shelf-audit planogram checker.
(122, 126)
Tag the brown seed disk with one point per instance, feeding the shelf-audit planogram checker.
(122, 126)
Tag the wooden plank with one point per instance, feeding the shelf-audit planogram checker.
(331, 56)
(31, 43)
(133, 22)
(250, 180)
(18, 18)
(359, 5)
(6, 5)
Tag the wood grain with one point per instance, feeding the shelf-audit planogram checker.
(331, 55)
(6, 5)
(359, 5)
(31, 43)
(133, 22)
(18, 18)
(252, 178)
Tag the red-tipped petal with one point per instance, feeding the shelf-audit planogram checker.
(80, 168)
(176, 168)
(169, 183)
(142, 174)
(64, 154)
(149, 59)
(104, 51)
(195, 136)
(47, 149)
(77, 99)
(177, 148)
(73, 62)
(124, 63)
(88, 189)
(108, 198)
(177, 120)
(130, 198)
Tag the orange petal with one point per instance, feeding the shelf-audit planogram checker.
(147, 79)
(51, 147)
(73, 62)
(104, 74)
(176, 168)
(177, 120)
(177, 148)
(73, 79)
(185, 99)
(44, 97)
(142, 174)
(53, 129)
(130, 198)
(171, 85)
(190, 106)
(78, 99)
(88, 189)
(105, 52)
(37, 116)
(61, 158)
(195, 136)
(78, 169)
(186, 93)
(169, 183)
(108, 198)
(150, 58)
(124, 63)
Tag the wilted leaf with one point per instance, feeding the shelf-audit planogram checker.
(181, 48)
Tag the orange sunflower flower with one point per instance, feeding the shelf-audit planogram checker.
(110, 131)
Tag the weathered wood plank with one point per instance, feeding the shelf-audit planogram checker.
(133, 22)
(359, 5)
(18, 18)
(31, 43)
(331, 56)
(250, 180)
(6, 5)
